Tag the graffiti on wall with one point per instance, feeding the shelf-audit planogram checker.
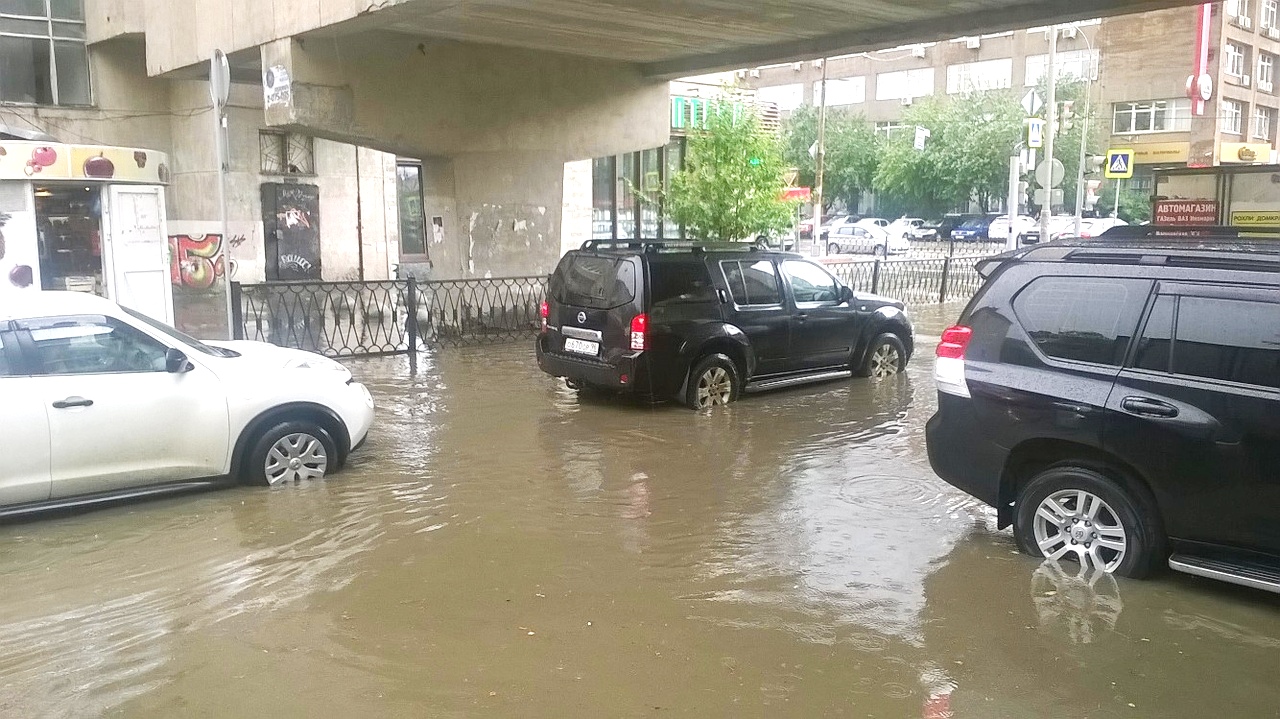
(197, 262)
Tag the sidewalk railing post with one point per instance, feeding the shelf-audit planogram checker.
(237, 311)
(946, 275)
(413, 325)
(875, 278)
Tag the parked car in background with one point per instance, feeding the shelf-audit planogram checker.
(940, 230)
(806, 225)
(903, 226)
(103, 404)
(974, 229)
(704, 323)
(1118, 403)
(1059, 226)
(877, 222)
(855, 239)
(1094, 227)
(999, 229)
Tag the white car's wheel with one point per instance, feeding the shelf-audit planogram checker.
(291, 452)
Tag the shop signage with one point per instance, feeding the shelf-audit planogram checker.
(1157, 153)
(1182, 213)
(1256, 218)
(42, 161)
(796, 193)
(1244, 152)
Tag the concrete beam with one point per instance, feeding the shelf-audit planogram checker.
(422, 99)
(936, 29)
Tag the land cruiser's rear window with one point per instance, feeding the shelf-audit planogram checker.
(599, 283)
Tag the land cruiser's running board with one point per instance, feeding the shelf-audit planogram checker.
(764, 385)
(1246, 575)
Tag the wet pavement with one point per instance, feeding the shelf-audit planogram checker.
(502, 547)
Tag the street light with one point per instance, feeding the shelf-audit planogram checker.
(1084, 131)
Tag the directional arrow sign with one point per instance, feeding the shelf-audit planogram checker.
(1119, 165)
(1032, 103)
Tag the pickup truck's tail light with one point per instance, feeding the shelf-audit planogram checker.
(544, 310)
(948, 369)
(639, 332)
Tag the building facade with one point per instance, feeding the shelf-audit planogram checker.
(1137, 67)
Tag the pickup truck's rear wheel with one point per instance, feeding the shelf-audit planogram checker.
(290, 452)
(714, 382)
(886, 357)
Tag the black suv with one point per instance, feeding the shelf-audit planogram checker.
(704, 322)
(1118, 402)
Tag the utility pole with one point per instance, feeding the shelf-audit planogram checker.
(1015, 182)
(820, 158)
(1084, 134)
(1051, 129)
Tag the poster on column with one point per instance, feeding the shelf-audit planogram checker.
(198, 254)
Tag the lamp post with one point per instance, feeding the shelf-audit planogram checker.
(1084, 135)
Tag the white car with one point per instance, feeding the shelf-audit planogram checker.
(999, 229)
(904, 227)
(101, 403)
(855, 239)
(1098, 225)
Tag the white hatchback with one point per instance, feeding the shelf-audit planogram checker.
(101, 403)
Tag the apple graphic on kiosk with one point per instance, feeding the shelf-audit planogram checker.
(21, 276)
(99, 167)
(44, 156)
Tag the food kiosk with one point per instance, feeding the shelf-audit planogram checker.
(85, 218)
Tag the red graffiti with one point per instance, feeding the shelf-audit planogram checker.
(195, 261)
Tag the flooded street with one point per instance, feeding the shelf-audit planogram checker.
(501, 547)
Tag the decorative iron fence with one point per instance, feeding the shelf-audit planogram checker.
(482, 310)
(914, 280)
(360, 319)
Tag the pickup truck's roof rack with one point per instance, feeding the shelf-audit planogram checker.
(655, 246)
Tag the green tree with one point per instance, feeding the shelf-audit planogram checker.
(852, 148)
(731, 185)
(966, 157)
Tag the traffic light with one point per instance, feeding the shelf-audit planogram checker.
(1093, 164)
(1068, 117)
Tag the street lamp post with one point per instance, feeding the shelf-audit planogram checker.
(820, 157)
(1084, 137)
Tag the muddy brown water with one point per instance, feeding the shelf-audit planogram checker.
(503, 548)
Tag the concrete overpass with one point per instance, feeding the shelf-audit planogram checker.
(495, 96)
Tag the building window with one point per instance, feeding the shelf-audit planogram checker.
(889, 128)
(904, 84)
(1266, 72)
(786, 97)
(1263, 121)
(1269, 13)
(286, 153)
(1074, 64)
(845, 91)
(1151, 116)
(1234, 60)
(980, 76)
(413, 215)
(1237, 8)
(1232, 116)
(43, 57)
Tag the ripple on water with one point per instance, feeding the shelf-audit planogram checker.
(892, 493)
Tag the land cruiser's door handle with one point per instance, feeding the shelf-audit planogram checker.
(1147, 407)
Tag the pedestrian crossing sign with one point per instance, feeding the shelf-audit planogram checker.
(1119, 165)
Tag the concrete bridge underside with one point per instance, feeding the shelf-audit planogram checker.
(495, 96)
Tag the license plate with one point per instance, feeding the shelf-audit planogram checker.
(581, 347)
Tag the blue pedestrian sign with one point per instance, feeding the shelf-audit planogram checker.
(1119, 165)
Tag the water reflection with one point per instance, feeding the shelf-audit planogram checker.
(1080, 601)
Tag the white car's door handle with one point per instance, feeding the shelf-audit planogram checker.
(70, 402)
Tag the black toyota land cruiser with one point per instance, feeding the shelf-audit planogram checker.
(705, 322)
(1118, 401)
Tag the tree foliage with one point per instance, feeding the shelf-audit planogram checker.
(965, 158)
(731, 185)
(852, 149)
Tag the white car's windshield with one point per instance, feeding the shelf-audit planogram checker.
(185, 339)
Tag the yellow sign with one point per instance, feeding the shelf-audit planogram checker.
(1244, 152)
(52, 161)
(1119, 165)
(1157, 153)
(1256, 218)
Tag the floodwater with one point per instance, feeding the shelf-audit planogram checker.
(503, 548)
